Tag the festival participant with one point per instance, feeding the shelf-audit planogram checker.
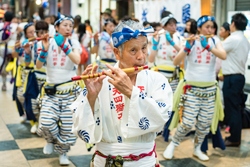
(62, 57)
(47, 19)
(198, 95)
(214, 31)
(105, 15)
(165, 48)
(103, 45)
(85, 40)
(122, 112)
(191, 28)
(31, 55)
(224, 30)
(146, 24)
(26, 88)
(8, 35)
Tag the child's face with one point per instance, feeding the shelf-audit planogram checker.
(41, 32)
(30, 32)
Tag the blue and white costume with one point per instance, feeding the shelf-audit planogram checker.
(55, 108)
(123, 126)
(120, 122)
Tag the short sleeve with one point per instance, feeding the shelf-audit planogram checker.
(228, 44)
(76, 45)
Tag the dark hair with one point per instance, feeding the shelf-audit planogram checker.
(41, 25)
(240, 21)
(87, 21)
(165, 14)
(145, 23)
(193, 26)
(135, 19)
(110, 20)
(77, 20)
(8, 16)
(81, 30)
(46, 16)
(215, 27)
(126, 18)
(226, 26)
(155, 24)
(55, 18)
(30, 20)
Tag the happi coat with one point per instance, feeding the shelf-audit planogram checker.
(123, 126)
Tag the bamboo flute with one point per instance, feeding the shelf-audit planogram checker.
(126, 70)
(193, 38)
(31, 39)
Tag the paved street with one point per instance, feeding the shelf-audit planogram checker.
(19, 148)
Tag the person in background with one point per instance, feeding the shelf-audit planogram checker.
(14, 29)
(61, 56)
(146, 24)
(85, 41)
(31, 54)
(215, 29)
(77, 22)
(156, 25)
(106, 14)
(19, 19)
(126, 18)
(224, 31)
(165, 47)
(197, 98)
(14, 20)
(47, 19)
(233, 70)
(88, 26)
(53, 19)
(31, 20)
(103, 45)
(191, 28)
(26, 104)
(36, 17)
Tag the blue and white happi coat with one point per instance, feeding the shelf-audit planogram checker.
(120, 121)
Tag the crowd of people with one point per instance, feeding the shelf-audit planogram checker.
(194, 79)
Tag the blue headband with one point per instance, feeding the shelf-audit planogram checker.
(28, 25)
(127, 33)
(61, 18)
(203, 20)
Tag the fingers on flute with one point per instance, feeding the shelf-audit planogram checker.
(95, 69)
(101, 78)
(113, 69)
(109, 74)
(87, 70)
(111, 81)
